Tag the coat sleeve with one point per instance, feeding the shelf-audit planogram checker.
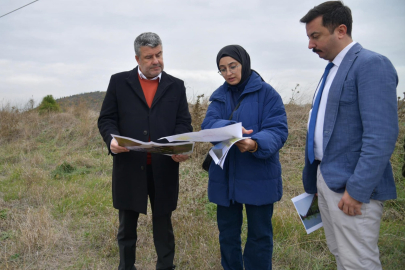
(108, 119)
(214, 117)
(376, 82)
(183, 117)
(274, 129)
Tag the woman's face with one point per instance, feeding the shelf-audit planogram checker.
(230, 69)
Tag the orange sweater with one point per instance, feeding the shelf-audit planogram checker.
(149, 88)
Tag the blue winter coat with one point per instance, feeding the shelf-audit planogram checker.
(249, 178)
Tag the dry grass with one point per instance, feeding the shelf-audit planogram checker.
(56, 210)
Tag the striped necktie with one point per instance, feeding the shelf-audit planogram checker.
(314, 114)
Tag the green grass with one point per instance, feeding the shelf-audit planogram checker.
(56, 207)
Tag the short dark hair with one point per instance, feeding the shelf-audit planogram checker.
(334, 13)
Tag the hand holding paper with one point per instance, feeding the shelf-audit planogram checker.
(209, 135)
(115, 148)
(180, 158)
(227, 136)
(246, 144)
(152, 147)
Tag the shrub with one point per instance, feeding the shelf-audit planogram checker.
(62, 170)
(48, 104)
(9, 118)
(198, 111)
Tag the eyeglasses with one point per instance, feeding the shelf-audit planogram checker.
(232, 69)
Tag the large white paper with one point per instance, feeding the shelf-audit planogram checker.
(152, 147)
(219, 151)
(307, 208)
(209, 135)
(226, 136)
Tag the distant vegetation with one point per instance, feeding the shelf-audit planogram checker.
(56, 205)
(92, 100)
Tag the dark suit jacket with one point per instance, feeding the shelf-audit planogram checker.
(360, 129)
(125, 112)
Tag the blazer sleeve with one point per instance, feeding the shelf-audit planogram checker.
(376, 82)
(108, 119)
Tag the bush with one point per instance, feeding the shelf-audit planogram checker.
(48, 104)
(62, 170)
(9, 118)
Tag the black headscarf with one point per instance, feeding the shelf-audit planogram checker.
(240, 55)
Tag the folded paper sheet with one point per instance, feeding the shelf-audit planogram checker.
(209, 135)
(152, 147)
(219, 151)
(226, 136)
(307, 208)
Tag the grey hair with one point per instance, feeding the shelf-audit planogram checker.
(146, 39)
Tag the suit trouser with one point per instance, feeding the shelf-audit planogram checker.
(351, 239)
(163, 236)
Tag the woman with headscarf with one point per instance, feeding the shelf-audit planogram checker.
(251, 175)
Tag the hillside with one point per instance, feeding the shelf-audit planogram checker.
(92, 100)
(56, 207)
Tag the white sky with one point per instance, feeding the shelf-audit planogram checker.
(67, 47)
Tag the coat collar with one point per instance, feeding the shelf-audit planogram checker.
(254, 84)
(335, 91)
(164, 84)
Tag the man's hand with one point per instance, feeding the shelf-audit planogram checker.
(116, 149)
(349, 205)
(246, 144)
(180, 158)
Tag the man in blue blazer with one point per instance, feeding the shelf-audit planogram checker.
(352, 131)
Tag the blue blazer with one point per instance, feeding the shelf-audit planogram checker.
(360, 129)
(249, 178)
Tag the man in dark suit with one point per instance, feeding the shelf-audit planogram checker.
(352, 131)
(145, 104)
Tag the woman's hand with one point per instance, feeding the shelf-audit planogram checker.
(246, 144)
(246, 131)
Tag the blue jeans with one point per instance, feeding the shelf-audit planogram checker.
(259, 246)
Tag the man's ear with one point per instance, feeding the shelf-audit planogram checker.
(341, 30)
(137, 58)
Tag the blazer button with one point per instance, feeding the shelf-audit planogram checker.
(142, 168)
(145, 132)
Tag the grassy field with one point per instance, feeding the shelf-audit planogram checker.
(56, 209)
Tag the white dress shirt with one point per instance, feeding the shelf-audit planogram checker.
(318, 138)
(144, 77)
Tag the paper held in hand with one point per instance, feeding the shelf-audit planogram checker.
(307, 208)
(209, 135)
(219, 151)
(226, 136)
(168, 149)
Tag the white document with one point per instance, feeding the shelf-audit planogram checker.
(227, 136)
(168, 149)
(220, 150)
(307, 208)
(209, 135)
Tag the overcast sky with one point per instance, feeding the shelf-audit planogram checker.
(67, 47)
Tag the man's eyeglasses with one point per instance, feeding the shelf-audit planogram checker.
(232, 69)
